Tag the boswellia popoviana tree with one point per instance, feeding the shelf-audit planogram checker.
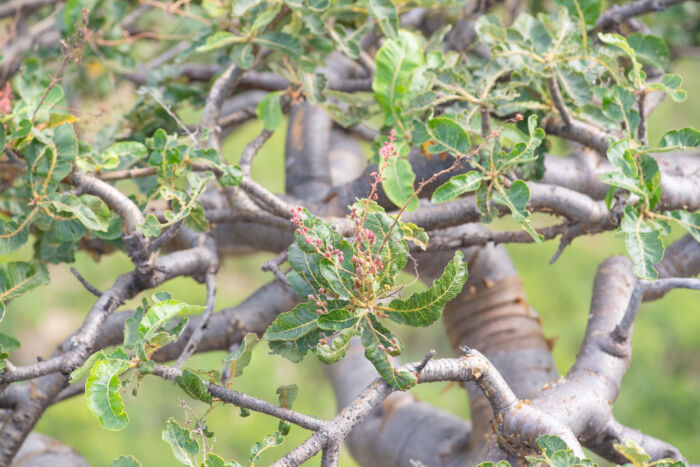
(461, 104)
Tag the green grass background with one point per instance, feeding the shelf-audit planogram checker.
(660, 392)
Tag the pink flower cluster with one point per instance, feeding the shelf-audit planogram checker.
(298, 220)
(321, 304)
(388, 150)
(394, 341)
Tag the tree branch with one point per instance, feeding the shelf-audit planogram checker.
(222, 88)
(244, 400)
(30, 400)
(622, 331)
(618, 14)
(558, 100)
(615, 433)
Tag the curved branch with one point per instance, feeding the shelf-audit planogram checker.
(518, 423)
(30, 400)
(615, 433)
(130, 213)
(658, 287)
(618, 14)
(222, 88)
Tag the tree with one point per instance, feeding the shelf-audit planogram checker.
(463, 105)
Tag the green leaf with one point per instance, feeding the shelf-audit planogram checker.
(131, 327)
(690, 221)
(634, 452)
(649, 49)
(556, 453)
(680, 139)
(621, 43)
(588, 9)
(77, 207)
(447, 135)
(670, 85)
(306, 277)
(162, 312)
(575, 85)
(336, 350)
(516, 198)
(424, 308)
(242, 54)
(102, 392)
(271, 440)
(13, 233)
(394, 255)
(651, 180)
(121, 153)
(215, 461)
(347, 43)
(618, 104)
(549, 444)
(338, 275)
(287, 395)
(377, 341)
(398, 182)
(397, 62)
(314, 85)
(86, 368)
(293, 324)
(415, 234)
(218, 40)
(281, 41)
(232, 175)
(338, 319)
(457, 186)
(151, 226)
(126, 461)
(239, 358)
(193, 386)
(269, 110)
(54, 158)
(385, 12)
(643, 243)
(18, 278)
(8, 344)
(184, 447)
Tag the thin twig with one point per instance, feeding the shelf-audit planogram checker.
(90, 288)
(428, 356)
(252, 149)
(273, 266)
(622, 331)
(273, 203)
(156, 97)
(485, 121)
(71, 391)
(244, 400)
(166, 236)
(642, 130)
(558, 100)
(620, 13)
(198, 333)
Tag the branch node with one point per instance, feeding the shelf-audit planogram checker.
(429, 356)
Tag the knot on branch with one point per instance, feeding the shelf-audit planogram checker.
(136, 245)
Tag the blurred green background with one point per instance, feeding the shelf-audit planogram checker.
(660, 393)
